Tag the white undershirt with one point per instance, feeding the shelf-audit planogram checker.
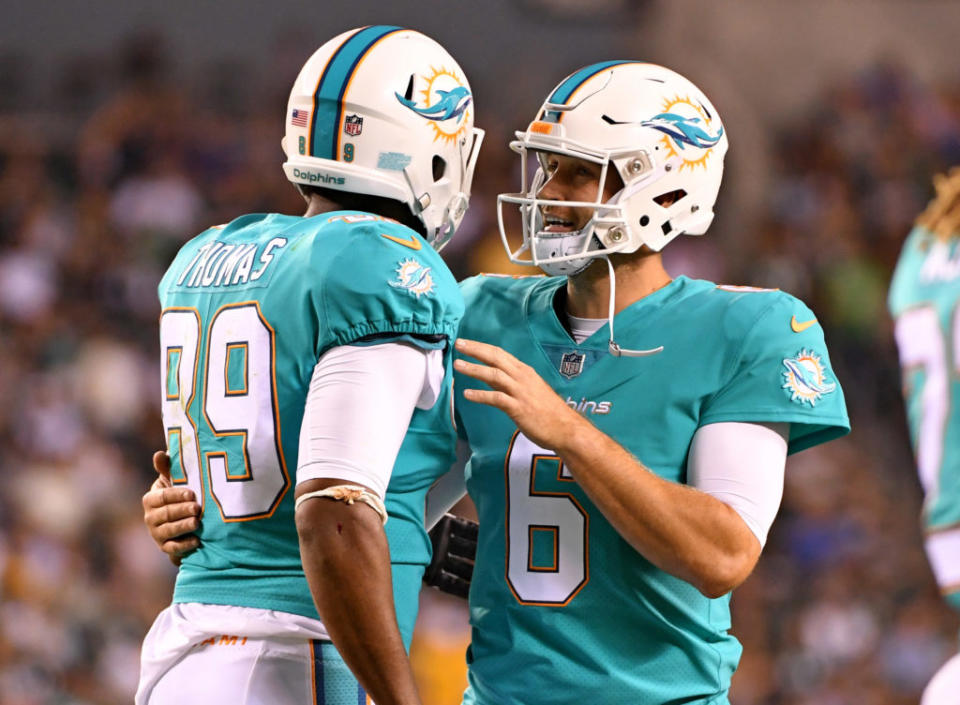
(358, 408)
(583, 328)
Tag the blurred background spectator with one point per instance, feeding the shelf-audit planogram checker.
(118, 144)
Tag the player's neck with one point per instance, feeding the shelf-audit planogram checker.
(317, 204)
(638, 275)
(329, 201)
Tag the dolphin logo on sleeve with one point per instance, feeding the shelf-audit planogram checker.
(414, 277)
(805, 378)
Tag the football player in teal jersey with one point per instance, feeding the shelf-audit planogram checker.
(625, 479)
(923, 302)
(605, 576)
(287, 344)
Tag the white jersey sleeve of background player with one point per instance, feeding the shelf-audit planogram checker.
(742, 465)
(358, 408)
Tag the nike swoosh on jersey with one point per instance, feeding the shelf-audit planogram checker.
(413, 243)
(795, 325)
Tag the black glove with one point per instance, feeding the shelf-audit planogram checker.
(454, 542)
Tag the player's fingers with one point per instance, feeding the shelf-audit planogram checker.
(161, 483)
(172, 496)
(493, 376)
(489, 354)
(181, 546)
(167, 530)
(169, 513)
(176, 512)
(161, 463)
(152, 498)
(459, 567)
(465, 528)
(500, 400)
(453, 585)
(461, 548)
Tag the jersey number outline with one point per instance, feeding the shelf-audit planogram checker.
(923, 345)
(246, 472)
(557, 514)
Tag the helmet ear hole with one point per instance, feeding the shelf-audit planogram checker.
(439, 167)
(408, 94)
(669, 198)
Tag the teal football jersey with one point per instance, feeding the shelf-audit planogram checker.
(563, 609)
(923, 301)
(248, 309)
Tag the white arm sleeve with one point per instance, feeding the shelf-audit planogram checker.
(358, 408)
(446, 491)
(742, 465)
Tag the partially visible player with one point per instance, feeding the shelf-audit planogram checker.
(630, 484)
(308, 357)
(924, 298)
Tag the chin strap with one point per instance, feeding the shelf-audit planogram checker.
(613, 347)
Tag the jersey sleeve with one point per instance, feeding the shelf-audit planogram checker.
(903, 286)
(783, 374)
(472, 291)
(383, 284)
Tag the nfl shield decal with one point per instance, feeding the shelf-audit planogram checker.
(353, 125)
(571, 364)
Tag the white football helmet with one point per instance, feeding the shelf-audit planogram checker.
(661, 134)
(386, 111)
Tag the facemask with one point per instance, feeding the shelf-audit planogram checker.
(547, 245)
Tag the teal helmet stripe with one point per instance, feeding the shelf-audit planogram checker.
(562, 93)
(328, 98)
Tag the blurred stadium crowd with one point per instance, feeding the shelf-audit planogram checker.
(126, 159)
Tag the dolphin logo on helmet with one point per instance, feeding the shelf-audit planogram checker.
(683, 130)
(452, 104)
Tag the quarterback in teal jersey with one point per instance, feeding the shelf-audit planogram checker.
(286, 344)
(923, 302)
(624, 480)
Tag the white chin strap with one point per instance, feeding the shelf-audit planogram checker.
(613, 347)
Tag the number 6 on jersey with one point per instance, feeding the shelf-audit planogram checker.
(547, 532)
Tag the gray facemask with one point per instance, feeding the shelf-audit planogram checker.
(547, 244)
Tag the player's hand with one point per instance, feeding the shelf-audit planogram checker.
(454, 542)
(518, 391)
(171, 513)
